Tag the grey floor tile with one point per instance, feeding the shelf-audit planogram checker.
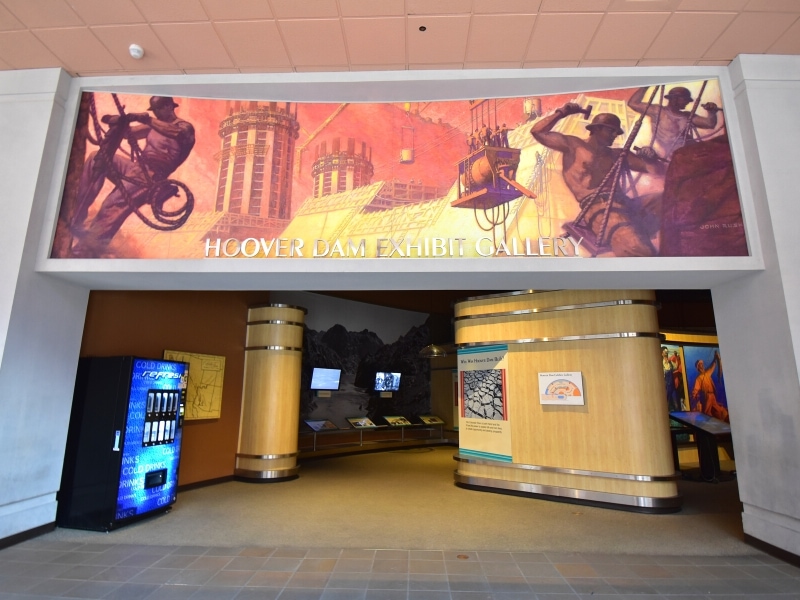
(257, 594)
(343, 594)
(132, 591)
(173, 592)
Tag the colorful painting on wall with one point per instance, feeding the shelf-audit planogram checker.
(674, 377)
(705, 381)
(641, 172)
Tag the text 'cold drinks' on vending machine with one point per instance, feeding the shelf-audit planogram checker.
(123, 446)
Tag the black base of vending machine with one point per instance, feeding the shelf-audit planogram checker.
(123, 446)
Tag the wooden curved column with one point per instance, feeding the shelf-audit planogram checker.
(271, 398)
(615, 450)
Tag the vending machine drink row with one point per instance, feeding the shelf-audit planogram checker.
(123, 446)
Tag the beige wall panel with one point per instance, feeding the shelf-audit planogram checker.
(578, 322)
(547, 300)
(623, 427)
(271, 407)
(271, 394)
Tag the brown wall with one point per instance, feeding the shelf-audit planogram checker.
(147, 323)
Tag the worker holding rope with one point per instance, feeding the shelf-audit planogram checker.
(673, 126)
(139, 178)
(590, 171)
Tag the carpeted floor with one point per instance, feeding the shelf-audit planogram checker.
(406, 499)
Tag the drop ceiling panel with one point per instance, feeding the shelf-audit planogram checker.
(118, 38)
(519, 7)
(376, 41)
(43, 13)
(562, 37)
(23, 50)
(789, 42)
(103, 12)
(238, 10)
(193, 45)
(8, 21)
(625, 36)
(253, 43)
(499, 38)
(643, 5)
(751, 33)
(305, 9)
(574, 6)
(78, 48)
(370, 8)
(687, 35)
(317, 42)
(438, 7)
(718, 5)
(161, 11)
(444, 40)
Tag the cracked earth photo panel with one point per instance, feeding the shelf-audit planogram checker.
(484, 394)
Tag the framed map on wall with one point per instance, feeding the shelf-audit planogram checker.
(204, 391)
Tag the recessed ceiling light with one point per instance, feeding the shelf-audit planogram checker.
(136, 51)
(422, 28)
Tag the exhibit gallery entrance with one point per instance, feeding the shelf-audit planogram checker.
(104, 336)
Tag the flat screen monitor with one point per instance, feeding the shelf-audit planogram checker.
(325, 379)
(387, 382)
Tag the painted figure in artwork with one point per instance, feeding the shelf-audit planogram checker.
(704, 392)
(672, 125)
(139, 178)
(585, 166)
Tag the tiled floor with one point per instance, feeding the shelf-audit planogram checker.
(40, 568)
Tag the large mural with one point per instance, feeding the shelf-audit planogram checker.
(642, 172)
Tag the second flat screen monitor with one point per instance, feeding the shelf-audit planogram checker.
(387, 382)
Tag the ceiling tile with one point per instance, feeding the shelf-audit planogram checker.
(384, 67)
(22, 50)
(376, 41)
(609, 62)
(225, 10)
(193, 45)
(713, 63)
(643, 5)
(443, 41)
(217, 71)
(266, 70)
(789, 42)
(159, 11)
(438, 7)
(8, 21)
(43, 13)
(4, 65)
(493, 65)
(520, 7)
(327, 48)
(307, 9)
(772, 6)
(118, 73)
(550, 64)
(103, 12)
(689, 34)
(624, 36)
(370, 8)
(720, 5)
(117, 38)
(665, 62)
(253, 43)
(566, 6)
(562, 37)
(437, 66)
(321, 69)
(750, 33)
(78, 48)
(487, 30)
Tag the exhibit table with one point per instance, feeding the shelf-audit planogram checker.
(709, 433)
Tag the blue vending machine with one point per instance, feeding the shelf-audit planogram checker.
(124, 441)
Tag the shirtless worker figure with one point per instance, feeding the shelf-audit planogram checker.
(671, 132)
(586, 162)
